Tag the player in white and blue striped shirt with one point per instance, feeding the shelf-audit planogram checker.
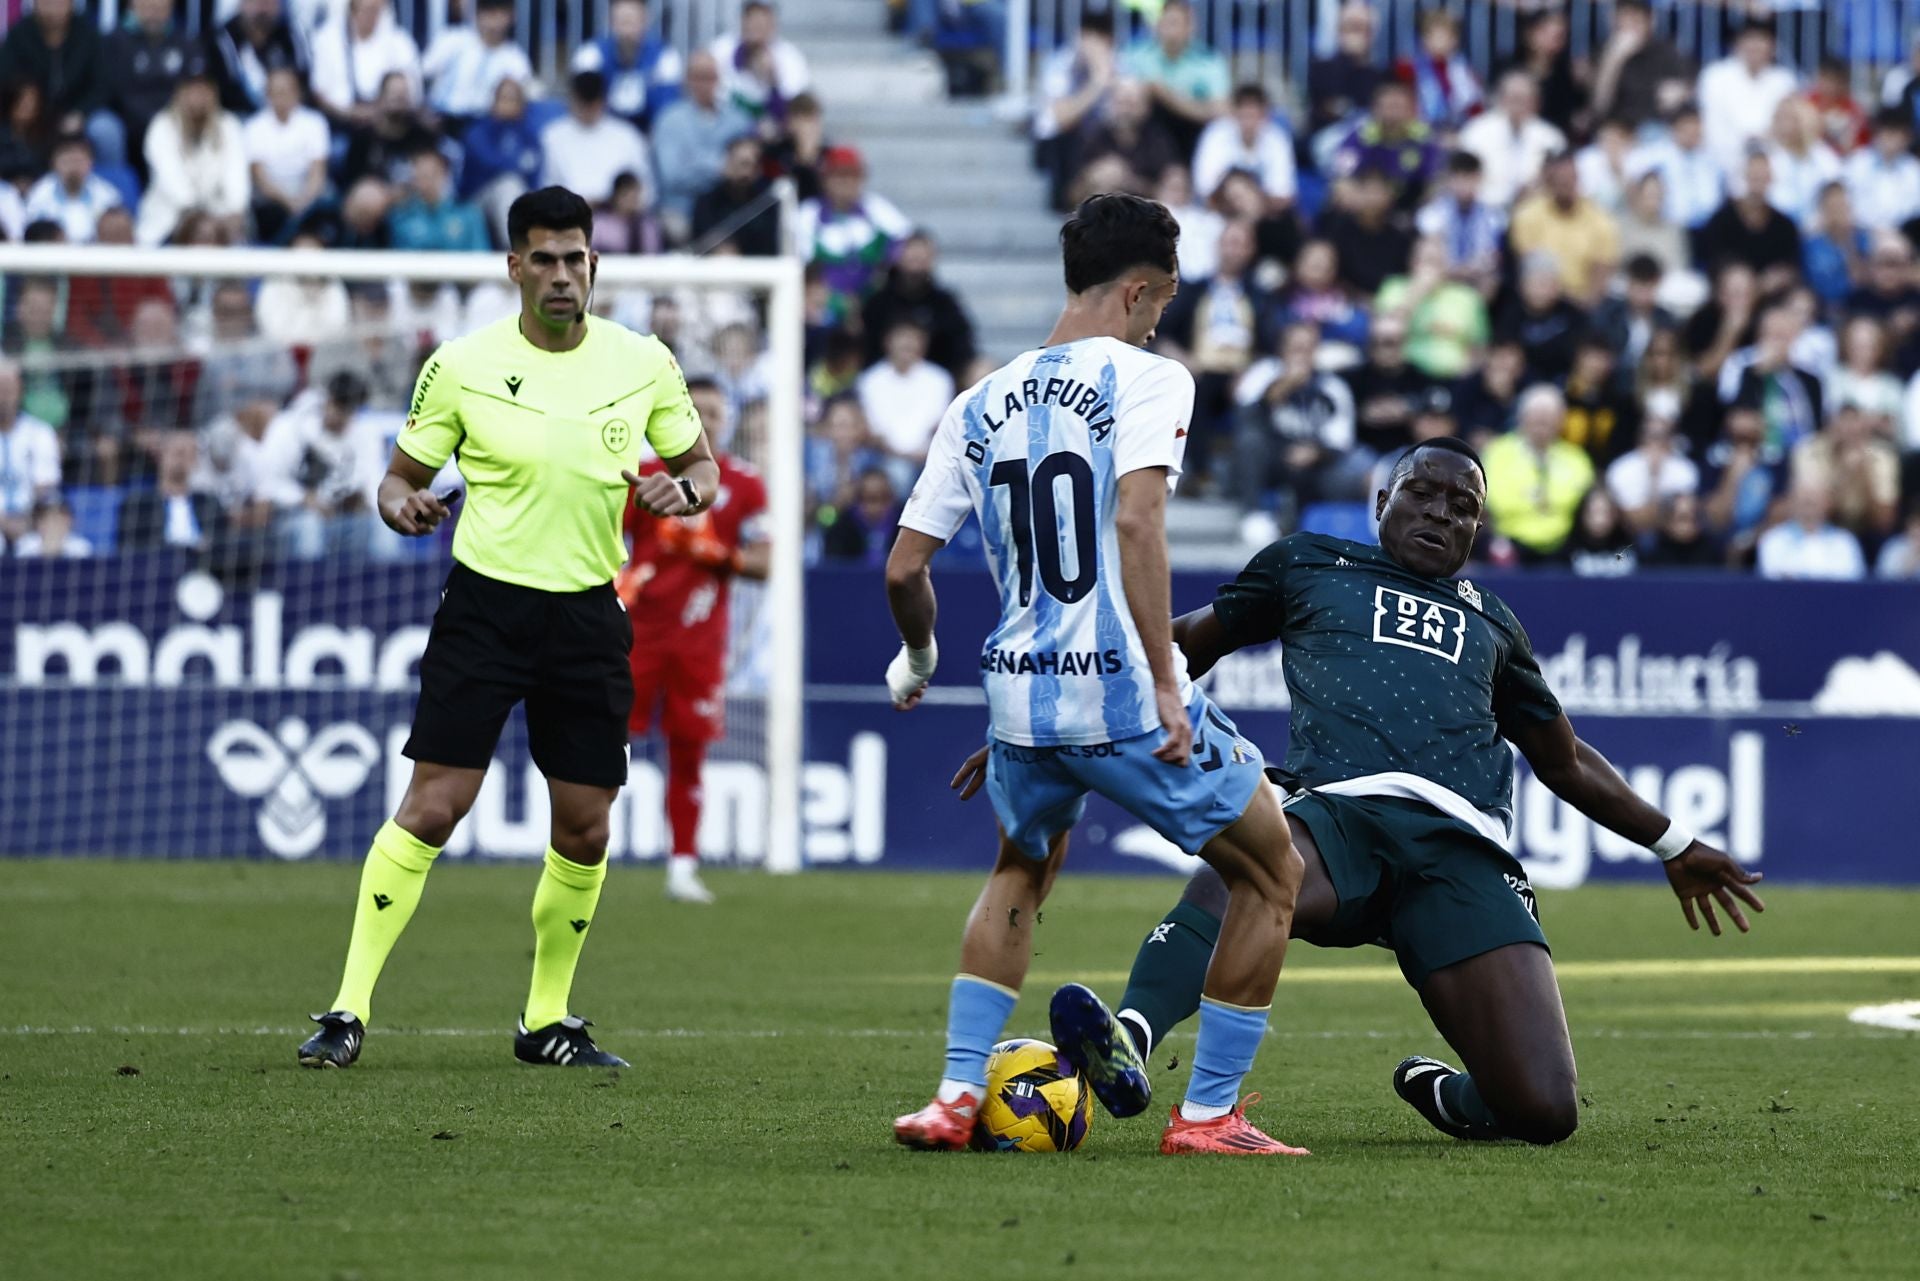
(1066, 455)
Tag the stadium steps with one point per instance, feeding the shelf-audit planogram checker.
(1204, 533)
(955, 168)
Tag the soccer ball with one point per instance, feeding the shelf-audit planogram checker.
(1035, 1101)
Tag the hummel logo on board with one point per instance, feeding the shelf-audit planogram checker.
(381, 902)
(513, 387)
(579, 927)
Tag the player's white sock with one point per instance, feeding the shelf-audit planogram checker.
(1191, 1111)
(951, 1090)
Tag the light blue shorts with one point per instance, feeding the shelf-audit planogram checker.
(1040, 792)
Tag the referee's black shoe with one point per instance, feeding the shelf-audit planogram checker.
(337, 1043)
(562, 1044)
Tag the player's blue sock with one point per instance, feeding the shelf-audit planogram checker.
(1229, 1037)
(976, 1012)
(1461, 1099)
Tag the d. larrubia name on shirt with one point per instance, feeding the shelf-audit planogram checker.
(1069, 394)
(1053, 662)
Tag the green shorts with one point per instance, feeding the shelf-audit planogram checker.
(1429, 887)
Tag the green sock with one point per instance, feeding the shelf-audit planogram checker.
(562, 910)
(1168, 974)
(390, 884)
(1461, 1098)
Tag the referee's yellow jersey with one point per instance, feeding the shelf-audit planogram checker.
(542, 437)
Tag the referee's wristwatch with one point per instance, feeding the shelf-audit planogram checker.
(691, 494)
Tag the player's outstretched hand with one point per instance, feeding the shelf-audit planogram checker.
(419, 513)
(973, 773)
(1177, 747)
(1702, 875)
(656, 493)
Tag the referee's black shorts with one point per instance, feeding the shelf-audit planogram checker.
(494, 644)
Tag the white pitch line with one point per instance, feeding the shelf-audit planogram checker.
(882, 1033)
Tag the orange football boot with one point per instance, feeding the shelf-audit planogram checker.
(939, 1127)
(1231, 1135)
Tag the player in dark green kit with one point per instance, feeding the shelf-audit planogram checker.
(1407, 687)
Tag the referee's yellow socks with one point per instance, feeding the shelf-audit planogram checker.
(562, 910)
(390, 883)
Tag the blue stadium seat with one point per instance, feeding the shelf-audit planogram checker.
(1352, 521)
(123, 180)
(96, 514)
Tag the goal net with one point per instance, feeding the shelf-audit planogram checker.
(209, 643)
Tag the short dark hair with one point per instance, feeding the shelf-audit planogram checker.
(589, 86)
(1252, 91)
(1452, 444)
(1464, 162)
(1114, 233)
(72, 138)
(1097, 20)
(1893, 118)
(347, 388)
(1645, 268)
(554, 208)
(701, 382)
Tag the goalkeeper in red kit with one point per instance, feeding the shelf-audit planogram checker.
(675, 586)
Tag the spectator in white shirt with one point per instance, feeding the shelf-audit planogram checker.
(1693, 177)
(1807, 544)
(52, 536)
(302, 311)
(1900, 557)
(1654, 471)
(903, 398)
(1602, 165)
(1200, 226)
(29, 457)
(72, 194)
(1883, 178)
(464, 65)
(1512, 141)
(759, 72)
(1803, 163)
(321, 465)
(354, 54)
(287, 149)
(196, 161)
(1739, 93)
(588, 148)
(1246, 138)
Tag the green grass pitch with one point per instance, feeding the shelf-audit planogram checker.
(153, 1122)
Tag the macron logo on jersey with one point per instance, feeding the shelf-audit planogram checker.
(1414, 622)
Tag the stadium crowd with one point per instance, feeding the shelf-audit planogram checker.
(249, 420)
(1676, 307)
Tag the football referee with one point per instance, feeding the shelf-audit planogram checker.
(546, 412)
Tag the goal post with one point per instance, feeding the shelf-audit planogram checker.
(440, 296)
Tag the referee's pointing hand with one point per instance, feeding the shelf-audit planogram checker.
(418, 513)
(657, 493)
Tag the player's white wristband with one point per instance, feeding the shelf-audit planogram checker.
(1672, 843)
(911, 669)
